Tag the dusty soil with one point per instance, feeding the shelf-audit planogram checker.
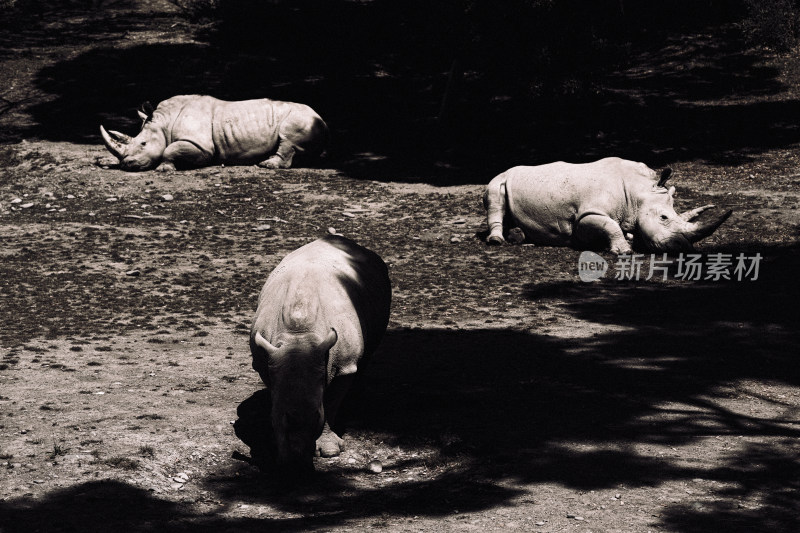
(506, 395)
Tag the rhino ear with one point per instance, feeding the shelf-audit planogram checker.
(330, 340)
(146, 112)
(665, 174)
(265, 344)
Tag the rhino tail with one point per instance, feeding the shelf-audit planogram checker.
(495, 202)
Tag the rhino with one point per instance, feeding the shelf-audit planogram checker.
(191, 131)
(611, 204)
(322, 310)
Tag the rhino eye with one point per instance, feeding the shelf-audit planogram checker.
(144, 143)
(664, 217)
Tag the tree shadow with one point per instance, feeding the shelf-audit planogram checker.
(535, 408)
(378, 74)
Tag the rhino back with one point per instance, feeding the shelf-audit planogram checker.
(547, 200)
(188, 118)
(247, 131)
(353, 290)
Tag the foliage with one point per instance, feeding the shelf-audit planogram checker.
(197, 10)
(772, 23)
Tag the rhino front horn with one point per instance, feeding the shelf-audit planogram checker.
(116, 142)
(701, 230)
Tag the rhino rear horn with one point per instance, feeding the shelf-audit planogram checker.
(692, 214)
(700, 230)
(665, 175)
(116, 142)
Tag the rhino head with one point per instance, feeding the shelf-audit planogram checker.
(142, 152)
(659, 228)
(296, 377)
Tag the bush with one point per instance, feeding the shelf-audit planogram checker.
(196, 10)
(772, 23)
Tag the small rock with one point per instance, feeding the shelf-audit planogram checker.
(26, 206)
(375, 466)
(111, 199)
(134, 273)
(167, 197)
(454, 239)
(16, 201)
(540, 523)
(351, 461)
(332, 231)
(460, 221)
(71, 196)
(262, 227)
(38, 481)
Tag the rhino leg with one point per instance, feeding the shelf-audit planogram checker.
(495, 203)
(329, 444)
(601, 231)
(283, 157)
(184, 154)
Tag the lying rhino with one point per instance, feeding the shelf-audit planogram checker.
(323, 309)
(195, 131)
(598, 206)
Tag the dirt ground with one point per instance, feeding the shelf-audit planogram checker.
(506, 395)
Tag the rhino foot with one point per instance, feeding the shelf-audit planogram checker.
(166, 166)
(516, 236)
(275, 162)
(329, 444)
(621, 249)
(495, 239)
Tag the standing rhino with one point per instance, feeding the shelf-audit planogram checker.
(323, 309)
(593, 206)
(194, 131)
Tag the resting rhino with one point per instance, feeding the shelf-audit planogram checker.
(593, 206)
(323, 309)
(193, 131)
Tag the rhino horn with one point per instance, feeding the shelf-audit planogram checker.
(692, 214)
(700, 230)
(116, 142)
(268, 347)
(665, 174)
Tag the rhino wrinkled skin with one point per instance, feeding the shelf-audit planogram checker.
(611, 204)
(192, 131)
(321, 311)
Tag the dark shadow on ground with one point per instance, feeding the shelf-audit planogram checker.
(519, 405)
(528, 407)
(377, 73)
